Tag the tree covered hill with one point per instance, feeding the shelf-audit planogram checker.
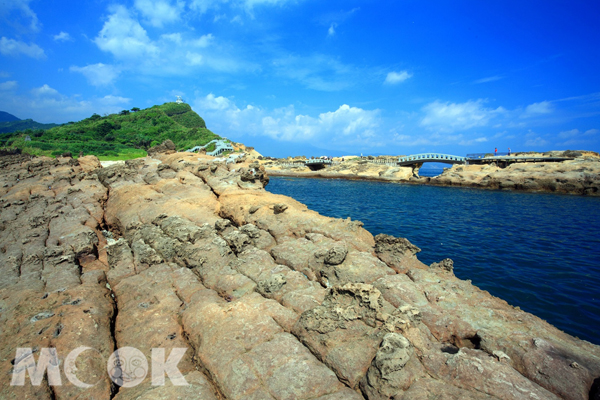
(117, 136)
(22, 125)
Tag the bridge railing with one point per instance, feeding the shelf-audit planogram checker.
(431, 157)
(318, 161)
(384, 162)
(474, 156)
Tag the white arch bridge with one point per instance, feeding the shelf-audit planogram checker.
(431, 157)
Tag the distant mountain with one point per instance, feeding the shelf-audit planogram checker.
(117, 136)
(22, 125)
(6, 117)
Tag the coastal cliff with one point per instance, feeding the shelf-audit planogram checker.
(270, 299)
(580, 175)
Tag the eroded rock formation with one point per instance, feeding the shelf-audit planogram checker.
(270, 299)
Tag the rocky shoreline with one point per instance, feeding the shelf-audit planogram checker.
(270, 299)
(580, 176)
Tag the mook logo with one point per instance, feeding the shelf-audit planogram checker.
(126, 367)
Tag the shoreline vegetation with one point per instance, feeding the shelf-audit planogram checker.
(267, 295)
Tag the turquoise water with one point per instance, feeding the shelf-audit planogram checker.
(540, 252)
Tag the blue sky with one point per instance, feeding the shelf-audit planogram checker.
(289, 76)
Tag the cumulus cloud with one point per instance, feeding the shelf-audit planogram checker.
(45, 91)
(124, 37)
(343, 126)
(63, 37)
(174, 53)
(160, 12)
(11, 47)
(448, 117)
(543, 107)
(394, 78)
(98, 74)
(8, 85)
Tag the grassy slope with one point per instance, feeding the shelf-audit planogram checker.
(118, 136)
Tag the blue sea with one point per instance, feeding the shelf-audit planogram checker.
(540, 252)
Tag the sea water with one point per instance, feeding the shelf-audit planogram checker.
(538, 251)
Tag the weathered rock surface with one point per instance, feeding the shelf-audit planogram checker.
(269, 299)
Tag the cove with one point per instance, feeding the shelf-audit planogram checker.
(540, 252)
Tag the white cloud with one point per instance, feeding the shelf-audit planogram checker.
(568, 134)
(574, 133)
(45, 91)
(63, 37)
(175, 53)
(203, 6)
(536, 142)
(11, 47)
(331, 30)
(591, 132)
(543, 107)
(46, 104)
(470, 142)
(194, 58)
(6, 7)
(448, 117)
(8, 85)
(160, 12)
(394, 78)
(124, 37)
(488, 79)
(203, 41)
(172, 37)
(318, 72)
(98, 74)
(344, 126)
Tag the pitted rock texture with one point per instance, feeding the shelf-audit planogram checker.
(270, 299)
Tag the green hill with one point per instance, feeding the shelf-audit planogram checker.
(117, 136)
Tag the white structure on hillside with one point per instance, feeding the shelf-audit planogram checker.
(178, 101)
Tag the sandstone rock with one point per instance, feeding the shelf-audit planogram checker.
(168, 252)
(446, 264)
(165, 147)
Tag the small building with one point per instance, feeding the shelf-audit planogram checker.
(27, 138)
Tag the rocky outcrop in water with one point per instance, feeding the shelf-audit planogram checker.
(270, 299)
(352, 168)
(579, 176)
